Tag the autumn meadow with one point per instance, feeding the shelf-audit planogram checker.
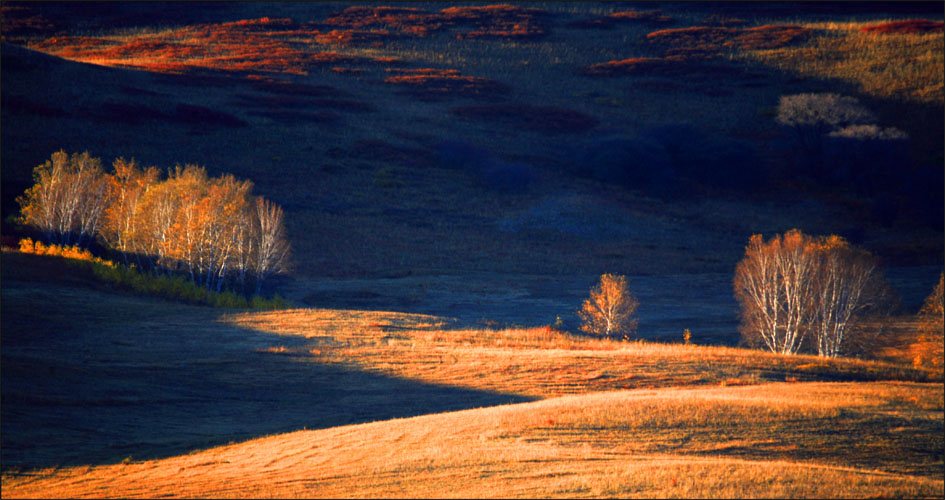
(472, 249)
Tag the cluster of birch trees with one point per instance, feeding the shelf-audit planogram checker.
(211, 229)
(801, 292)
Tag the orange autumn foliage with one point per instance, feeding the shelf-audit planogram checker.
(609, 310)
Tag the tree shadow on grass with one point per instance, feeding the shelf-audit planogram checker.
(95, 378)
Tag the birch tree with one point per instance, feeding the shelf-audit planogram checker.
(272, 247)
(609, 310)
(794, 287)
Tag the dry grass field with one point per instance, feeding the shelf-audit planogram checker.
(204, 405)
(757, 441)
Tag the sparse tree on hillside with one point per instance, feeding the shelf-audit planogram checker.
(929, 348)
(609, 310)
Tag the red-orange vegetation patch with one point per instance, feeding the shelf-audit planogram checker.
(433, 83)
(769, 36)
(710, 39)
(410, 21)
(630, 16)
(632, 66)
(544, 119)
(347, 38)
(154, 49)
(486, 21)
(670, 66)
(910, 27)
(497, 21)
(71, 47)
(255, 45)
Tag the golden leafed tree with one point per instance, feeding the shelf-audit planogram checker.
(212, 230)
(67, 201)
(609, 310)
(929, 348)
(125, 187)
(796, 288)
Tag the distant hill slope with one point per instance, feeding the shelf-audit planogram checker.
(475, 147)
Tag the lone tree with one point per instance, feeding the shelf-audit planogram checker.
(797, 287)
(609, 310)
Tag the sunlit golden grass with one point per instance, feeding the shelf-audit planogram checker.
(815, 440)
(540, 361)
(907, 66)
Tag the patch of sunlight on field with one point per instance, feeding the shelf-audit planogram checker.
(536, 361)
(906, 66)
(778, 440)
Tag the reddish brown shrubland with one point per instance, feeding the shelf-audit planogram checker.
(256, 45)
(348, 38)
(716, 38)
(544, 119)
(913, 26)
(497, 21)
(411, 21)
(487, 21)
(432, 83)
(629, 16)
(674, 66)
(632, 66)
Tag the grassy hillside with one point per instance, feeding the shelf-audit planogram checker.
(455, 177)
(676, 443)
(108, 393)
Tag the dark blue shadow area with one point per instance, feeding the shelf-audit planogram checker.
(92, 378)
